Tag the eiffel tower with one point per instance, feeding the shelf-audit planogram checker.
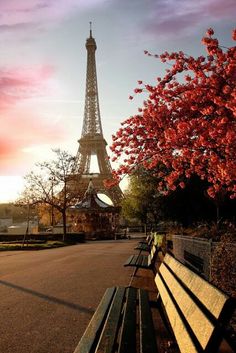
(92, 141)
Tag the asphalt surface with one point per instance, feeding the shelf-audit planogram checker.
(47, 297)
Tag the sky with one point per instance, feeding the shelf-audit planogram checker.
(43, 67)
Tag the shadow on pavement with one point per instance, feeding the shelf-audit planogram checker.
(48, 297)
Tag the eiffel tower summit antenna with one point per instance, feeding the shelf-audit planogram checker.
(92, 142)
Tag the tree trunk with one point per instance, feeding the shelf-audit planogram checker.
(217, 203)
(64, 224)
(27, 228)
(217, 214)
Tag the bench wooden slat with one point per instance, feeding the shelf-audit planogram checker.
(128, 331)
(198, 321)
(143, 261)
(200, 287)
(196, 309)
(133, 260)
(140, 260)
(147, 333)
(108, 336)
(93, 330)
(142, 247)
(130, 260)
(182, 336)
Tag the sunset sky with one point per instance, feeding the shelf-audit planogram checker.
(43, 67)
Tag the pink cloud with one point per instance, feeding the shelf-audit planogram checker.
(21, 131)
(17, 84)
(221, 9)
(22, 127)
(172, 17)
(19, 14)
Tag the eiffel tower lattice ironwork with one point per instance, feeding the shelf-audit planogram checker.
(92, 141)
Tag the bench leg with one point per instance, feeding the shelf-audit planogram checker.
(132, 276)
(135, 271)
(154, 270)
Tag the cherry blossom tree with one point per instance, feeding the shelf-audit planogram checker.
(187, 123)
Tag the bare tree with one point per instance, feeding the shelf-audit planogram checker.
(50, 185)
(26, 201)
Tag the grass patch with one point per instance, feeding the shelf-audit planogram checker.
(33, 246)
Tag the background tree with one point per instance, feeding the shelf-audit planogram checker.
(186, 206)
(188, 125)
(50, 185)
(190, 205)
(27, 203)
(141, 200)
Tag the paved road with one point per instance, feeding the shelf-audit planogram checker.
(48, 297)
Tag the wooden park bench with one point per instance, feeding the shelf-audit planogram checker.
(146, 244)
(143, 261)
(197, 312)
(153, 238)
(113, 325)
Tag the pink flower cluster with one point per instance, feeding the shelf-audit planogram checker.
(189, 127)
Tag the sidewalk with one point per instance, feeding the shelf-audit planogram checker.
(48, 297)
